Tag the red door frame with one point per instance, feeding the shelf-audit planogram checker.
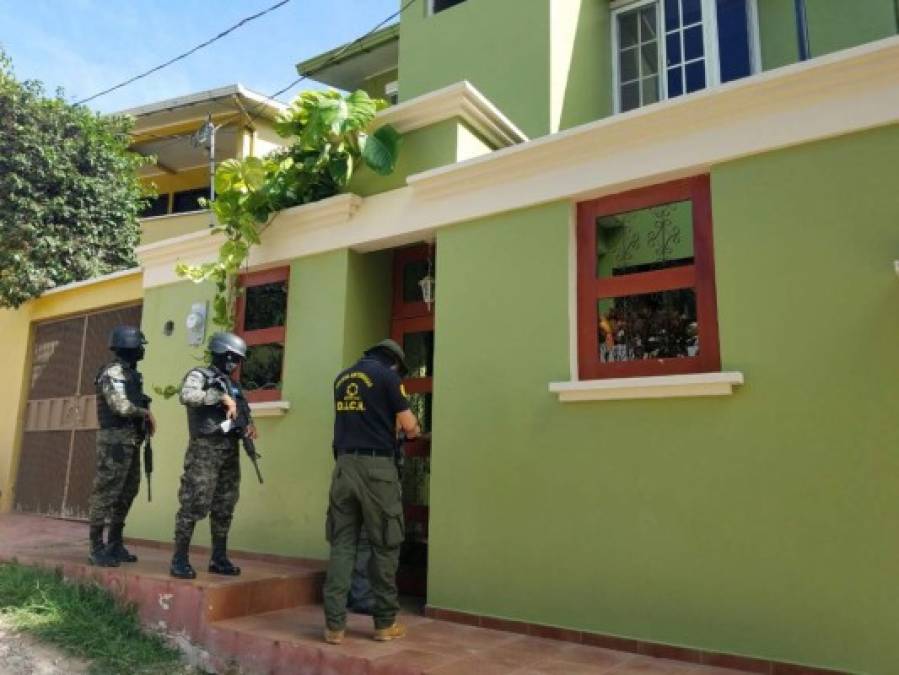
(412, 317)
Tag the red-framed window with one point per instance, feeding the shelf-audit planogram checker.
(646, 282)
(261, 318)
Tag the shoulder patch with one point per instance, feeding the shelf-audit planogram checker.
(114, 371)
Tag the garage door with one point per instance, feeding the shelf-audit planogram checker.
(56, 467)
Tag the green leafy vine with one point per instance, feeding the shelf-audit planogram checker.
(331, 136)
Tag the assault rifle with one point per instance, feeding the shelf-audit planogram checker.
(238, 428)
(148, 453)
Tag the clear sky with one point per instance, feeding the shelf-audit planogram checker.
(85, 46)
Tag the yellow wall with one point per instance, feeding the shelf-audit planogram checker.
(15, 345)
(266, 139)
(183, 180)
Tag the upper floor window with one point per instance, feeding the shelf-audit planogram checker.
(440, 5)
(157, 206)
(646, 283)
(392, 92)
(189, 200)
(261, 319)
(666, 48)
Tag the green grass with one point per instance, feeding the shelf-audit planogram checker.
(84, 620)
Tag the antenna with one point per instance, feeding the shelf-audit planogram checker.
(204, 137)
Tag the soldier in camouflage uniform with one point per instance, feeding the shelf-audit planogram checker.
(125, 419)
(210, 484)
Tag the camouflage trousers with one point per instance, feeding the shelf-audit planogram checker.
(117, 479)
(210, 485)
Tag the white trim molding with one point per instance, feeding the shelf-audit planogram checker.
(269, 408)
(298, 223)
(112, 276)
(663, 386)
(461, 100)
(829, 96)
(841, 93)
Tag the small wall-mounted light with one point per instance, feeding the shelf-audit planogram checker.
(427, 285)
(168, 328)
(896, 265)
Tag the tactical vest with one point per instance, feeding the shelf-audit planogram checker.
(205, 420)
(134, 391)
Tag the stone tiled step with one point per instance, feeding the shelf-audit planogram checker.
(289, 642)
(178, 605)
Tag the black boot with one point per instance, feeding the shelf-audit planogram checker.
(115, 549)
(181, 567)
(98, 555)
(219, 563)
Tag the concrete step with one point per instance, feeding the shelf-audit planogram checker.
(289, 642)
(188, 606)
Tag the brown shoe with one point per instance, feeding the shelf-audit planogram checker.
(396, 631)
(334, 637)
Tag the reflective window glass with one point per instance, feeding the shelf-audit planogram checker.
(419, 348)
(645, 240)
(420, 405)
(266, 306)
(734, 39)
(262, 368)
(648, 326)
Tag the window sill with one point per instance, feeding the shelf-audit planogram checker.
(269, 408)
(664, 386)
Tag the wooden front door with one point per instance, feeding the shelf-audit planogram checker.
(413, 328)
(57, 464)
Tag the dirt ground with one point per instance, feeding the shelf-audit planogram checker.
(22, 655)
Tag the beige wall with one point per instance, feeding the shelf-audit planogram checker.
(15, 345)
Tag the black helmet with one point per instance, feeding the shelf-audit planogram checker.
(126, 337)
(224, 343)
(392, 348)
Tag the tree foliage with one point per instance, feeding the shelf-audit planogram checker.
(69, 191)
(330, 137)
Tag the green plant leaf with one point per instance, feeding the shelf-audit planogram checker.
(253, 173)
(381, 150)
(167, 391)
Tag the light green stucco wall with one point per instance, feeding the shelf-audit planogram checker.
(427, 148)
(338, 303)
(582, 58)
(832, 25)
(757, 524)
(374, 86)
(502, 48)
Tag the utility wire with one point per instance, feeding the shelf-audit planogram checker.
(180, 57)
(333, 58)
(303, 76)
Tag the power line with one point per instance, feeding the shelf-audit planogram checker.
(334, 57)
(180, 57)
(303, 76)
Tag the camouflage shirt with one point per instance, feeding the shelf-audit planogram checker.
(196, 392)
(114, 382)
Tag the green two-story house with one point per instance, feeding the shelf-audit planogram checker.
(641, 256)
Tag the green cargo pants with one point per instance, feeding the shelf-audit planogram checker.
(365, 492)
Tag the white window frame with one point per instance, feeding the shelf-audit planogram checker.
(710, 43)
